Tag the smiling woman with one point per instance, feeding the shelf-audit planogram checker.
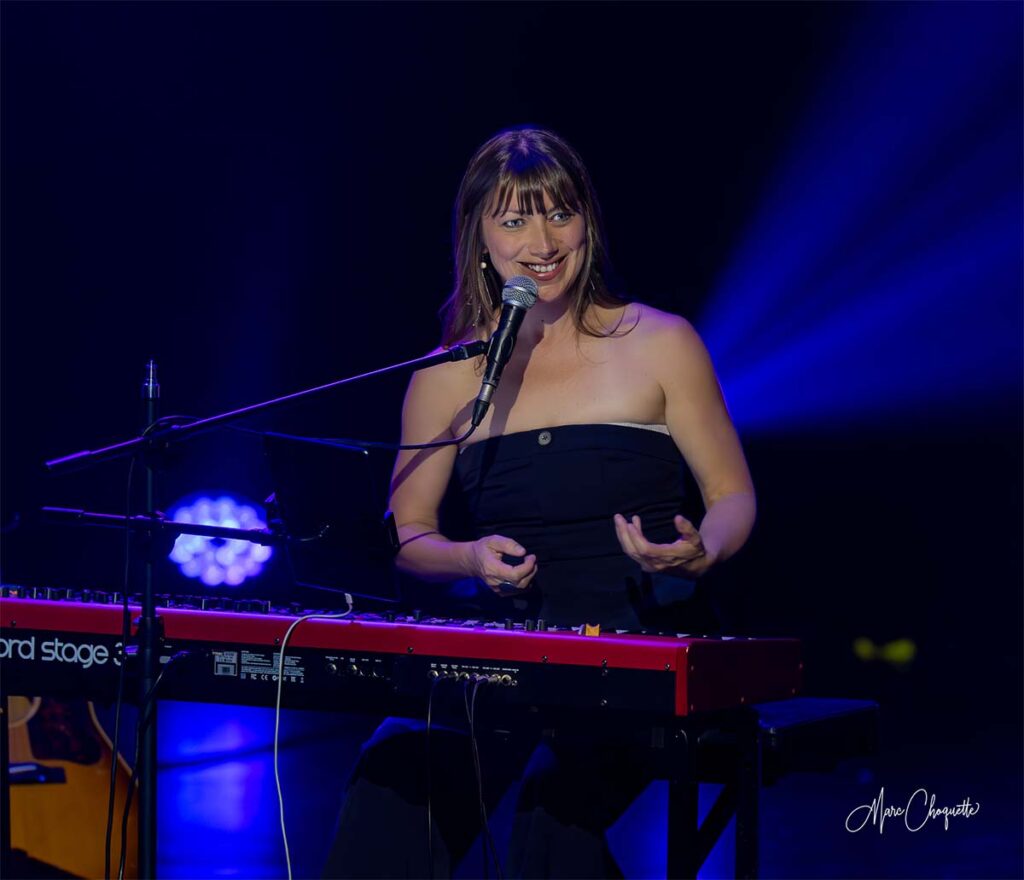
(548, 245)
(525, 204)
(574, 482)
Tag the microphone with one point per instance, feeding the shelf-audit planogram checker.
(519, 294)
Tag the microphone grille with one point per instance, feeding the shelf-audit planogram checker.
(520, 291)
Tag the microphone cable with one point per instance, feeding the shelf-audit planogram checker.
(126, 631)
(145, 719)
(430, 815)
(354, 445)
(487, 844)
(126, 634)
(277, 717)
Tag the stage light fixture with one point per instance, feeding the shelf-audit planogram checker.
(216, 561)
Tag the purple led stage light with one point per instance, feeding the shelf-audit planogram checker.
(213, 560)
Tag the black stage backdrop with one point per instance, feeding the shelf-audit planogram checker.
(258, 196)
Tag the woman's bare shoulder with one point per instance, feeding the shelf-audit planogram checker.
(649, 327)
(446, 379)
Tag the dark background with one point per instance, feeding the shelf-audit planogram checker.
(258, 197)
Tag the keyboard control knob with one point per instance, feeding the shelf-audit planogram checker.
(508, 623)
(530, 626)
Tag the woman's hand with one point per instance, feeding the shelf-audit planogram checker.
(686, 557)
(485, 562)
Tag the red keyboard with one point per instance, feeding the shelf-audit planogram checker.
(368, 662)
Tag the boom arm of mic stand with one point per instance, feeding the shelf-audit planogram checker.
(143, 523)
(177, 433)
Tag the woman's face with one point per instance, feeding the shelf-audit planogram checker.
(549, 248)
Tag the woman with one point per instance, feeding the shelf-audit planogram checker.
(584, 359)
(574, 483)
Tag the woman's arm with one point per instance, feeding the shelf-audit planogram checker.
(699, 423)
(419, 482)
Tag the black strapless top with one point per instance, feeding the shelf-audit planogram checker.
(555, 491)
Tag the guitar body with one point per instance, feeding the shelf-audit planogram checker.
(60, 760)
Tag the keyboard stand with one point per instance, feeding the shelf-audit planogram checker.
(768, 741)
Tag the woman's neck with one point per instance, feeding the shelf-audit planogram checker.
(546, 322)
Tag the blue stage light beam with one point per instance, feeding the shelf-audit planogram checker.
(881, 276)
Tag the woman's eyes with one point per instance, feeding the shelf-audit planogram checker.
(558, 217)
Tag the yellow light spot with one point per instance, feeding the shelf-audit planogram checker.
(899, 652)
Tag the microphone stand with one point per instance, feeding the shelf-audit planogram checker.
(150, 635)
(158, 525)
(162, 439)
(153, 443)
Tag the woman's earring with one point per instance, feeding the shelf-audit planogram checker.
(483, 262)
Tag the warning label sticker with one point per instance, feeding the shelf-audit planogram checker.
(225, 663)
(263, 666)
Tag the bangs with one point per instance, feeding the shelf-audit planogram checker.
(528, 179)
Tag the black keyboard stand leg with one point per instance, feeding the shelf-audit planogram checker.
(683, 831)
(748, 784)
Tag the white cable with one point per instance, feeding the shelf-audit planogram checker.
(277, 716)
